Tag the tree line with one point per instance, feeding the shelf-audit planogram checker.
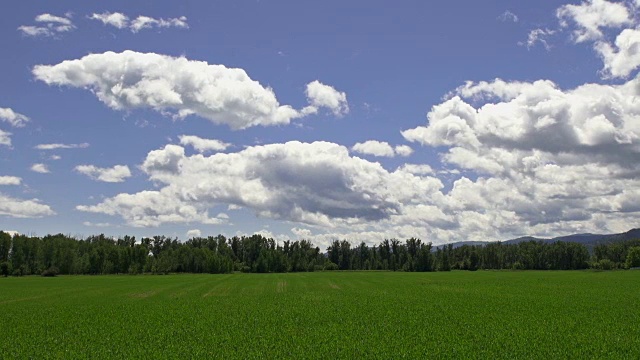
(61, 254)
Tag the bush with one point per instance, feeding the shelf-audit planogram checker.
(17, 272)
(331, 266)
(50, 272)
(604, 264)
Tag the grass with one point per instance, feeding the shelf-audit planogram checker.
(484, 314)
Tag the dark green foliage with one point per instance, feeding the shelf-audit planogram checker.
(51, 272)
(161, 255)
(5, 268)
(633, 257)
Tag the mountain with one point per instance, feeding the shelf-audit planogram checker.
(588, 240)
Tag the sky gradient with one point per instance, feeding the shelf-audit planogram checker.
(457, 121)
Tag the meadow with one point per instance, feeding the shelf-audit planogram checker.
(383, 315)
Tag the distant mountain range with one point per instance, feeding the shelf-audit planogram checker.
(588, 240)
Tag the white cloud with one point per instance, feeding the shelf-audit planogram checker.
(591, 16)
(417, 169)
(375, 148)
(548, 158)
(403, 150)
(10, 180)
(316, 183)
(203, 145)
(321, 95)
(61, 146)
(92, 224)
(623, 57)
(194, 233)
(40, 168)
(12, 117)
(130, 80)
(145, 22)
(5, 138)
(20, 208)
(538, 36)
(116, 19)
(508, 16)
(121, 21)
(51, 26)
(48, 18)
(115, 174)
(55, 157)
(381, 148)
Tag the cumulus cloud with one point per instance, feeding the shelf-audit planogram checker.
(203, 145)
(19, 208)
(403, 150)
(12, 117)
(321, 95)
(547, 157)
(130, 80)
(314, 183)
(381, 148)
(193, 233)
(591, 16)
(588, 21)
(121, 21)
(48, 25)
(10, 180)
(115, 174)
(40, 168)
(375, 148)
(58, 146)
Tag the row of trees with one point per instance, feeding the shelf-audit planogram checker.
(52, 254)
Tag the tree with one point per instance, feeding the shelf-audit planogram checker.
(4, 268)
(633, 257)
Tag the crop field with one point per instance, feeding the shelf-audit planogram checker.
(484, 314)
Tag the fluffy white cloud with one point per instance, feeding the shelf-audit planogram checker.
(51, 26)
(375, 148)
(61, 146)
(136, 80)
(203, 145)
(10, 180)
(587, 20)
(20, 208)
(40, 168)
(116, 19)
(551, 159)
(121, 21)
(314, 183)
(623, 57)
(12, 117)
(193, 233)
(321, 95)
(381, 148)
(591, 16)
(114, 174)
(403, 150)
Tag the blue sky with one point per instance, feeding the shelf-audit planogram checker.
(319, 120)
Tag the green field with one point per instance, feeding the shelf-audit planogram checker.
(484, 314)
